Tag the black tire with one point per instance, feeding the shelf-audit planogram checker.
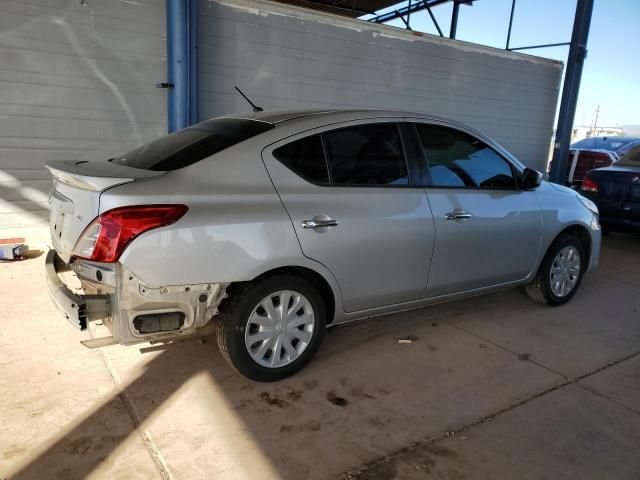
(540, 289)
(235, 313)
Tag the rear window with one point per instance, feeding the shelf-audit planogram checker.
(610, 144)
(192, 144)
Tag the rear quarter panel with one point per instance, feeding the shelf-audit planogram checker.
(235, 230)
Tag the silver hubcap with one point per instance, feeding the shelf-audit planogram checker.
(279, 329)
(565, 271)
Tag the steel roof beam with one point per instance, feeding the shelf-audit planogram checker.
(416, 7)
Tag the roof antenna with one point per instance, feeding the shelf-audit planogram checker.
(255, 107)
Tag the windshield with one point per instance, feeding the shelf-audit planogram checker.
(602, 143)
(190, 145)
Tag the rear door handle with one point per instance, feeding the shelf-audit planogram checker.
(319, 223)
(457, 215)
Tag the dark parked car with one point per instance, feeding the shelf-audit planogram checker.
(616, 191)
(595, 152)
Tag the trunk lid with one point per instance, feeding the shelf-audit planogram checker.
(74, 199)
(620, 187)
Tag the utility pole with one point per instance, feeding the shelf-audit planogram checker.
(595, 123)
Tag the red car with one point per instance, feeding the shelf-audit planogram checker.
(595, 152)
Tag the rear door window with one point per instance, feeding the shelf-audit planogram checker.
(368, 154)
(306, 158)
(190, 145)
(457, 159)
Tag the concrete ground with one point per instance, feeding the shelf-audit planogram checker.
(491, 387)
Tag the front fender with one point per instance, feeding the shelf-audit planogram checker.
(561, 210)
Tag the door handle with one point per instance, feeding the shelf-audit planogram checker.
(457, 215)
(319, 223)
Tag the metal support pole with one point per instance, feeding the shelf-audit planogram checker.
(182, 63)
(193, 61)
(433, 18)
(546, 45)
(454, 19)
(513, 7)
(406, 23)
(570, 89)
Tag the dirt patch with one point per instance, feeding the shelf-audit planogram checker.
(294, 395)
(281, 399)
(384, 471)
(310, 384)
(337, 400)
(311, 426)
(273, 400)
(359, 392)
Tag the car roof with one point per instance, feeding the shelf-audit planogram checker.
(280, 116)
(312, 118)
(603, 138)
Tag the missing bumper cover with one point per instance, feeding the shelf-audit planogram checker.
(77, 309)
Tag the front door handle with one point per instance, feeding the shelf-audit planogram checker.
(316, 223)
(457, 214)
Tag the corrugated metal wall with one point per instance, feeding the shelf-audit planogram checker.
(286, 57)
(77, 81)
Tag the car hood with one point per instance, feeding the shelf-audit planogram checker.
(561, 188)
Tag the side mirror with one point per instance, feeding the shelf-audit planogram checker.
(531, 179)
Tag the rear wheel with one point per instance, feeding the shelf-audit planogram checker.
(270, 329)
(560, 273)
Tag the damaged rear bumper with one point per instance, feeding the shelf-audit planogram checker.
(77, 309)
(132, 310)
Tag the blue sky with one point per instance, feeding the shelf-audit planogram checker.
(611, 75)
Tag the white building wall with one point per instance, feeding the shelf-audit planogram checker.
(77, 81)
(289, 57)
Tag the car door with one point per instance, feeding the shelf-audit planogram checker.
(354, 209)
(488, 230)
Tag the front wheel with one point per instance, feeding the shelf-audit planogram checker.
(560, 272)
(270, 329)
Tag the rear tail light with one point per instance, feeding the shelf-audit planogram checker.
(589, 185)
(108, 235)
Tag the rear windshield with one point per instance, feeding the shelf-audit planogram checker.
(190, 145)
(603, 143)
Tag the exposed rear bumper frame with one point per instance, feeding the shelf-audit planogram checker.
(77, 309)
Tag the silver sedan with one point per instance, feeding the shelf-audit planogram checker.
(273, 226)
